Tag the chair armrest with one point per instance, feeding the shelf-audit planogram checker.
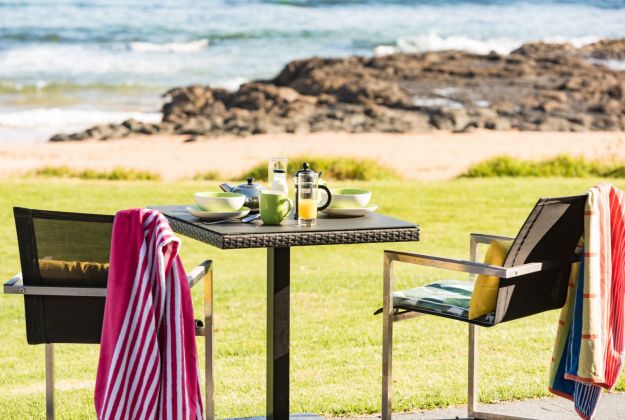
(484, 238)
(14, 285)
(473, 267)
(199, 272)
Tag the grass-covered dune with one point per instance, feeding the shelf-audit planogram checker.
(336, 341)
(563, 166)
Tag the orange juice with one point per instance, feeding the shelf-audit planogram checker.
(307, 209)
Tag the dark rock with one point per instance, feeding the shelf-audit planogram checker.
(441, 122)
(554, 124)
(542, 49)
(195, 126)
(82, 135)
(499, 123)
(539, 86)
(550, 106)
(606, 123)
(60, 137)
(132, 125)
(456, 120)
(506, 108)
(166, 128)
(556, 96)
(607, 49)
(460, 118)
(99, 132)
(574, 83)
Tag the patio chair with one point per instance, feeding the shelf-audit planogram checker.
(64, 260)
(534, 278)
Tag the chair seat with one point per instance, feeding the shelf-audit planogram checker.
(448, 298)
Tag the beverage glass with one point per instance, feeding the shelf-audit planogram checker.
(276, 174)
(307, 198)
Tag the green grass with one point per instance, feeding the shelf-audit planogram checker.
(336, 341)
(561, 166)
(116, 174)
(336, 168)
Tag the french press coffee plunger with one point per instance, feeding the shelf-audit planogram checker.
(307, 181)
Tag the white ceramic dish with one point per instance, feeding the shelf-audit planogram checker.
(219, 201)
(353, 212)
(349, 198)
(216, 215)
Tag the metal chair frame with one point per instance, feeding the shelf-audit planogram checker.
(391, 315)
(202, 271)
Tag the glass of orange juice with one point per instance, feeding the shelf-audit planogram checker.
(307, 198)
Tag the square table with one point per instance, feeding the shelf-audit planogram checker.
(278, 240)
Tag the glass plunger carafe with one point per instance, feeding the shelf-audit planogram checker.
(307, 196)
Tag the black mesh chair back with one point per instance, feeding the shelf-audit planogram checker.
(551, 233)
(64, 250)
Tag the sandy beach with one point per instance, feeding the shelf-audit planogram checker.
(424, 156)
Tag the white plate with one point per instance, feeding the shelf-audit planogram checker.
(213, 215)
(355, 212)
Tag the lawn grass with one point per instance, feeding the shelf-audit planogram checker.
(116, 174)
(563, 166)
(336, 341)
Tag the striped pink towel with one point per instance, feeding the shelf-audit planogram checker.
(590, 344)
(148, 364)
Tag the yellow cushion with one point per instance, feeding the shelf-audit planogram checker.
(89, 273)
(484, 297)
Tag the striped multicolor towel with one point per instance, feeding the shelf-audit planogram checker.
(589, 349)
(148, 364)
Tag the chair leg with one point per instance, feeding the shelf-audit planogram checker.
(49, 381)
(472, 388)
(387, 340)
(472, 385)
(208, 345)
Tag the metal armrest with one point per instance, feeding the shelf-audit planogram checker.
(484, 238)
(14, 285)
(473, 267)
(199, 272)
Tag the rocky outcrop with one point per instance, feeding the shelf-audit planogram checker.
(539, 86)
(607, 49)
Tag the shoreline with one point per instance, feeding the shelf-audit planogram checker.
(536, 87)
(434, 155)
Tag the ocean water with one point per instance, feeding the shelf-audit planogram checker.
(68, 64)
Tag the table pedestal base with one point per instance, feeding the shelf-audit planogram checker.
(278, 323)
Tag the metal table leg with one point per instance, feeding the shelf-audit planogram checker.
(278, 319)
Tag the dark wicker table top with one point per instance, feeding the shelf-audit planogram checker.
(329, 231)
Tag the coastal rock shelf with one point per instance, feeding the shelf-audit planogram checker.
(539, 86)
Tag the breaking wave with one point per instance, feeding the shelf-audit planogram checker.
(176, 47)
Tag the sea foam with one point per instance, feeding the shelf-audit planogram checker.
(501, 45)
(36, 125)
(176, 47)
